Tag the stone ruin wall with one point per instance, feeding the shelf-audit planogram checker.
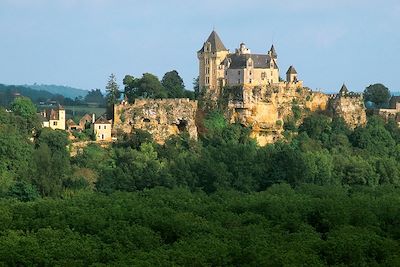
(351, 108)
(162, 118)
(390, 113)
(263, 109)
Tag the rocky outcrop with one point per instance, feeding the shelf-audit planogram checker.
(160, 117)
(350, 106)
(265, 109)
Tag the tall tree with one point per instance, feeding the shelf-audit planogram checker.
(174, 85)
(24, 107)
(131, 88)
(378, 94)
(196, 87)
(113, 94)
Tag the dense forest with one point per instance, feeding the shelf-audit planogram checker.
(326, 195)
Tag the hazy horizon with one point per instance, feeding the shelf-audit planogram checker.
(79, 43)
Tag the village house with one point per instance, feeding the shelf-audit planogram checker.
(102, 129)
(54, 118)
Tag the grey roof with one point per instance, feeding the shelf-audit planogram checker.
(102, 120)
(239, 61)
(273, 52)
(291, 70)
(216, 43)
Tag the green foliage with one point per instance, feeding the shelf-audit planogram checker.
(113, 94)
(215, 122)
(96, 96)
(377, 94)
(24, 108)
(173, 84)
(317, 127)
(306, 226)
(146, 87)
(112, 89)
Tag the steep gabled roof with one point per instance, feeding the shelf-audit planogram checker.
(102, 120)
(291, 70)
(216, 43)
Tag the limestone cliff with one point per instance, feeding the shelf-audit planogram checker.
(266, 108)
(160, 117)
(350, 106)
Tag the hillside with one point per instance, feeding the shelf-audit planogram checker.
(66, 91)
(7, 93)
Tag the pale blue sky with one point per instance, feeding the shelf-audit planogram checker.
(80, 42)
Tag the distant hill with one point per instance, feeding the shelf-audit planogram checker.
(66, 91)
(8, 93)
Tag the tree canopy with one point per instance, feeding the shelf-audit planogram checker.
(149, 86)
(377, 94)
(173, 84)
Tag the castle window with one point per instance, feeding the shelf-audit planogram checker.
(207, 61)
(250, 81)
(105, 127)
(54, 123)
(263, 74)
(207, 70)
(207, 80)
(226, 73)
(251, 73)
(238, 72)
(238, 81)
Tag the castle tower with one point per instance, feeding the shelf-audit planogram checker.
(344, 91)
(291, 75)
(211, 71)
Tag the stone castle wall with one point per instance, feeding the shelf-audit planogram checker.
(160, 117)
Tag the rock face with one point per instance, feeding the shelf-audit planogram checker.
(160, 117)
(265, 109)
(350, 106)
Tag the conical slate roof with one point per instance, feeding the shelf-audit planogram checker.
(273, 52)
(216, 43)
(291, 70)
(343, 90)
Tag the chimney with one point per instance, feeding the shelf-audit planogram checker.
(93, 118)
